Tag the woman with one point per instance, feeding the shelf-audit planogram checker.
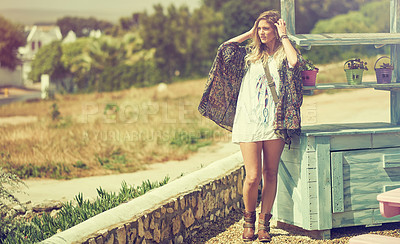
(239, 96)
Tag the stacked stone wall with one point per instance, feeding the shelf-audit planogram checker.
(172, 213)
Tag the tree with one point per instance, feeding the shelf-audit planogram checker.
(167, 34)
(206, 34)
(240, 15)
(82, 26)
(48, 61)
(368, 19)
(309, 12)
(11, 38)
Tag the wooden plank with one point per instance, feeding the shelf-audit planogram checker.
(337, 182)
(324, 182)
(379, 219)
(310, 142)
(391, 160)
(395, 55)
(347, 142)
(289, 182)
(329, 86)
(380, 140)
(364, 177)
(351, 129)
(327, 39)
(353, 218)
(288, 14)
(292, 155)
(310, 160)
(390, 187)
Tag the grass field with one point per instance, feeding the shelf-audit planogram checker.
(104, 133)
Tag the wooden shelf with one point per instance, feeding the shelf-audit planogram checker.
(328, 86)
(377, 39)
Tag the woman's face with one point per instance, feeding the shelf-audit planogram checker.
(265, 31)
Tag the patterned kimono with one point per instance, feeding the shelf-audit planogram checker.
(219, 99)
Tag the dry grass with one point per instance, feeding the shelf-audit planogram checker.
(87, 140)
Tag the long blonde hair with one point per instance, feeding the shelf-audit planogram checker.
(257, 50)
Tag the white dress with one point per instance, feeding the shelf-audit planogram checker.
(255, 110)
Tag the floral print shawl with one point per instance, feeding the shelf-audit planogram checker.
(219, 99)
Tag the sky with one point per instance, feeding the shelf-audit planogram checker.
(99, 8)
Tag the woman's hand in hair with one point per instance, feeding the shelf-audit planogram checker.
(281, 27)
(245, 36)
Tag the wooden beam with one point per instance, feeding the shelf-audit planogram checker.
(288, 14)
(324, 183)
(395, 56)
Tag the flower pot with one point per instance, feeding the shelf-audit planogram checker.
(354, 76)
(354, 71)
(383, 75)
(309, 77)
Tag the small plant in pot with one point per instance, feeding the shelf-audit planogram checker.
(354, 69)
(384, 73)
(309, 73)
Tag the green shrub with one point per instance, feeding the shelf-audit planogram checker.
(51, 169)
(71, 214)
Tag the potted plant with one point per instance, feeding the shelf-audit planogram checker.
(384, 73)
(309, 73)
(354, 71)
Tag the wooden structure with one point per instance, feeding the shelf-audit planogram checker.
(332, 174)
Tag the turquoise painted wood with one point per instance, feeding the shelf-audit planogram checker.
(395, 55)
(329, 86)
(380, 39)
(288, 14)
(337, 182)
(332, 174)
(322, 184)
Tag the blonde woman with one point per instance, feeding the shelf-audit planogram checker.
(256, 92)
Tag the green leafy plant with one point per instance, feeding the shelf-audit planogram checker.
(308, 65)
(9, 184)
(386, 66)
(55, 113)
(81, 165)
(72, 213)
(356, 64)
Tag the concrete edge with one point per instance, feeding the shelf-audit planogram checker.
(130, 210)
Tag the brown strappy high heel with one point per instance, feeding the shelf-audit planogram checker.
(263, 227)
(249, 227)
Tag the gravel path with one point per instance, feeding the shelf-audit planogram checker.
(230, 231)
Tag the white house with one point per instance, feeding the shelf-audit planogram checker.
(39, 35)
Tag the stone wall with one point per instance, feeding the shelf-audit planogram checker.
(205, 197)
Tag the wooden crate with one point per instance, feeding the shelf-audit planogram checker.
(332, 174)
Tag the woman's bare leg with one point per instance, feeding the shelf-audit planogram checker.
(272, 151)
(251, 152)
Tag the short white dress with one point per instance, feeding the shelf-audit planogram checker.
(255, 109)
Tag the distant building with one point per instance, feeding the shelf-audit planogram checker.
(38, 36)
(70, 37)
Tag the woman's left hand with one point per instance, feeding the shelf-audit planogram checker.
(281, 26)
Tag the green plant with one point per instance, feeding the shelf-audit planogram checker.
(79, 164)
(55, 113)
(386, 66)
(356, 64)
(73, 213)
(9, 184)
(308, 65)
(50, 169)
